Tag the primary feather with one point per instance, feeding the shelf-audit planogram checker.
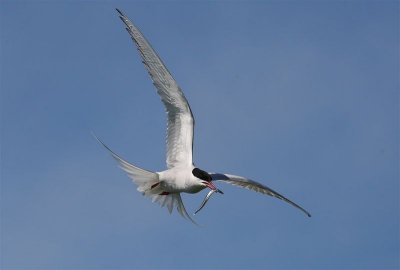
(255, 186)
(180, 121)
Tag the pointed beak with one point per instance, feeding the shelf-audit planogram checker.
(212, 186)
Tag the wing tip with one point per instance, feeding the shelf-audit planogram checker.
(122, 16)
(303, 210)
(120, 12)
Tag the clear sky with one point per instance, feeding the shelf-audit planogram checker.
(302, 96)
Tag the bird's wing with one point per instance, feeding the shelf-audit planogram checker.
(253, 185)
(180, 122)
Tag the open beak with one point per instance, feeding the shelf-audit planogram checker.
(212, 186)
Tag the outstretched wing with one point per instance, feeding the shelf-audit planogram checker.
(180, 122)
(253, 185)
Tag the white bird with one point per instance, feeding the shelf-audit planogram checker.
(182, 175)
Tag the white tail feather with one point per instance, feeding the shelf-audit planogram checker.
(148, 185)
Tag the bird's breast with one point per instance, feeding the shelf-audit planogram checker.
(179, 180)
(194, 189)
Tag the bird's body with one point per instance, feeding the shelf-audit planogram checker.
(182, 175)
(179, 179)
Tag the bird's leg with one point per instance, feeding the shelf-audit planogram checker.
(156, 184)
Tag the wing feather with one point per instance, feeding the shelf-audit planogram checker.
(255, 186)
(180, 122)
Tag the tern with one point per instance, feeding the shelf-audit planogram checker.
(182, 175)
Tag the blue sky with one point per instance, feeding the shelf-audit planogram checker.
(301, 96)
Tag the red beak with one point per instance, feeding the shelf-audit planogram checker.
(212, 186)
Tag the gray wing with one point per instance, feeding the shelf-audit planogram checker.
(180, 122)
(253, 185)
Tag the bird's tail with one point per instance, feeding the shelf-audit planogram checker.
(149, 185)
(146, 181)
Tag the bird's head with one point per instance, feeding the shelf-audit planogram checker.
(205, 179)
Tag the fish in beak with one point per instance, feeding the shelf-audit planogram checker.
(211, 186)
(211, 192)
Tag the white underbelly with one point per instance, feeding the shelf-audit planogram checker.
(174, 187)
(179, 180)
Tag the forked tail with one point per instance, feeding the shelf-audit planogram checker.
(144, 179)
(149, 185)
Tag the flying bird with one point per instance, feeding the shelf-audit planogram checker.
(182, 175)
